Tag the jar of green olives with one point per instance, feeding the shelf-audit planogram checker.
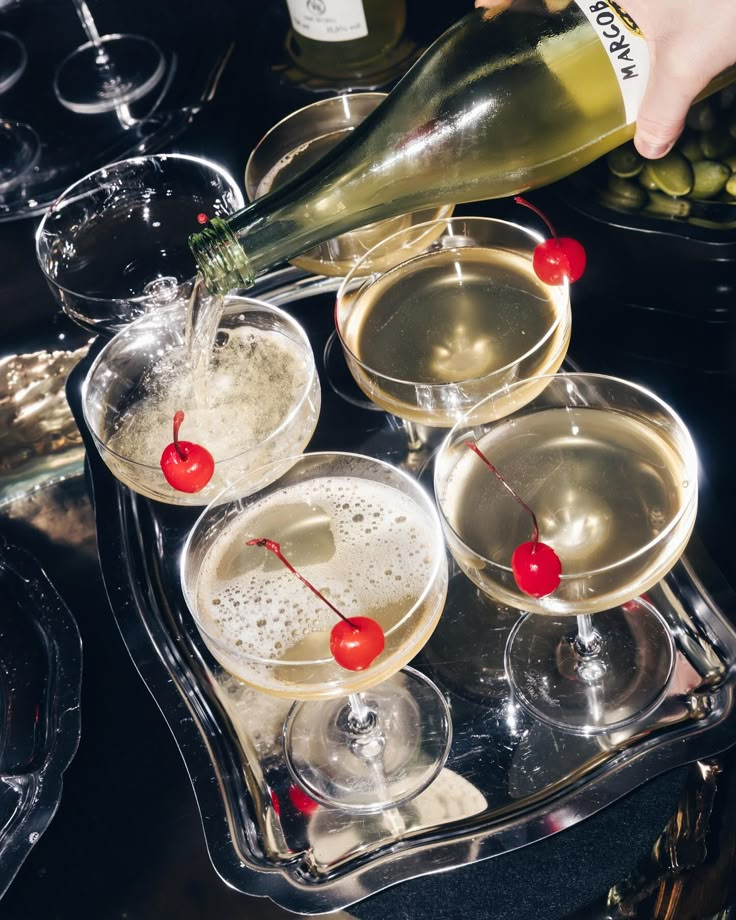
(695, 182)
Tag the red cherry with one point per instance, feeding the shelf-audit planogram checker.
(557, 258)
(187, 467)
(301, 801)
(535, 565)
(202, 218)
(356, 643)
(536, 568)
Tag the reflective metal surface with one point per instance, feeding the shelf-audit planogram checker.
(41, 443)
(508, 781)
(40, 676)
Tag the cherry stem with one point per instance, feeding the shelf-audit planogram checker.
(275, 548)
(492, 468)
(178, 419)
(527, 204)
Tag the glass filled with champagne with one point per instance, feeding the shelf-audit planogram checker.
(354, 541)
(602, 474)
(249, 393)
(453, 312)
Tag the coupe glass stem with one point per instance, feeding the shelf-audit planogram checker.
(587, 641)
(414, 439)
(88, 24)
(590, 666)
(362, 719)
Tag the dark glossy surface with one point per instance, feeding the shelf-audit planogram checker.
(40, 675)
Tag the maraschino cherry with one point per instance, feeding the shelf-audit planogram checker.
(557, 258)
(301, 801)
(536, 566)
(188, 467)
(355, 643)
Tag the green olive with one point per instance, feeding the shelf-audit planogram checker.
(622, 195)
(625, 162)
(710, 178)
(646, 180)
(716, 144)
(702, 116)
(730, 185)
(661, 205)
(690, 148)
(672, 174)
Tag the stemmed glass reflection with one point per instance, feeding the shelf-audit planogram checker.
(438, 316)
(19, 144)
(368, 536)
(108, 71)
(610, 472)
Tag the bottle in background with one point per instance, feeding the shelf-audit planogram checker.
(344, 38)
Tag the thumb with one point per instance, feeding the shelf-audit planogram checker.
(666, 101)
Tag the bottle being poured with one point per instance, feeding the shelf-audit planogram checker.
(503, 102)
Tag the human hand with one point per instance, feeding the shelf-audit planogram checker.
(689, 44)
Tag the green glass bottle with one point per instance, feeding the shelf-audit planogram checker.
(499, 104)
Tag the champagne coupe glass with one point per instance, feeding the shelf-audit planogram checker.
(108, 71)
(293, 145)
(610, 471)
(249, 396)
(368, 537)
(435, 317)
(113, 245)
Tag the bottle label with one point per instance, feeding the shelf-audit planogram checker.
(328, 20)
(626, 48)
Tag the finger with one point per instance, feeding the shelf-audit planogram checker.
(663, 109)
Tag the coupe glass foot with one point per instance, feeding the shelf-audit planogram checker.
(622, 678)
(373, 756)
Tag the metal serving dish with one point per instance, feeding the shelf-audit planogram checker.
(40, 677)
(509, 781)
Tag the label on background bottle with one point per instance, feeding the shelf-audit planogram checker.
(626, 48)
(328, 20)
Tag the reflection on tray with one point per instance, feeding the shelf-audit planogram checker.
(40, 675)
(508, 781)
(41, 443)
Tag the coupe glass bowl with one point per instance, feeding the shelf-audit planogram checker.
(258, 400)
(114, 244)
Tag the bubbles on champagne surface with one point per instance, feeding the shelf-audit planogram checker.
(263, 610)
(256, 377)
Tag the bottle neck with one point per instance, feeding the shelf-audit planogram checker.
(220, 258)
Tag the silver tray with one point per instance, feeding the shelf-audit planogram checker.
(509, 780)
(40, 677)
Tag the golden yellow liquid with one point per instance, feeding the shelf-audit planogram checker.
(368, 547)
(337, 256)
(611, 494)
(432, 337)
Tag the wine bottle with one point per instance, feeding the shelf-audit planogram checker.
(499, 104)
(343, 38)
